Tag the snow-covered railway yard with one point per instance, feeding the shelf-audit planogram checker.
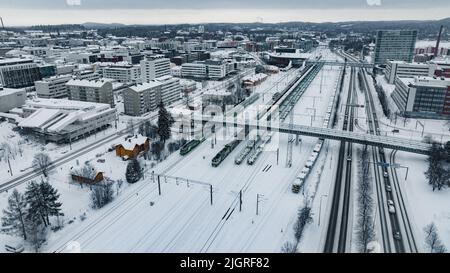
(182, 218)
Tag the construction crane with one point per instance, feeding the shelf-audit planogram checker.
(436, 50)
(1, 20)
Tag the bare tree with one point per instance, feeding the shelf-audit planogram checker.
(288, 247)
(432, 239)
(365, 229)
(102, 194)
(42, 162)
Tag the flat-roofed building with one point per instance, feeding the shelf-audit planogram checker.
(403, 69)
(11, 98)
(154, 67)
(61, 120)
(423, 97)
(100, 91)
(141, 98)
(53, 87)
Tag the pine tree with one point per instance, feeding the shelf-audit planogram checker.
(133, 172)
(36, 207)
(36, 231)
(50, 197)
(13, 221)
(43, 201)
(165, 121)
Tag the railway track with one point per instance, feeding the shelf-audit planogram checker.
(337, 232)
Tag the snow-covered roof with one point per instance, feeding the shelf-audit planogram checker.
(144, 86)
(88, 83)
(133, 141)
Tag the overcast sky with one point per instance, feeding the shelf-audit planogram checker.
(29, 12)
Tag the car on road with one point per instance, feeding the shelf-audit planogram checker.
(388, 188)
(349, 158)
(397, 236)
(391, 206)
(385, 174)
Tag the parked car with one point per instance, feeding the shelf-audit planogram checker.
(385, 174)
(397, 236)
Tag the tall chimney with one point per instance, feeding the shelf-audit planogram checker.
(436, 50)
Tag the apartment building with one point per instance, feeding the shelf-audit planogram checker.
(99, 91)
(53, 87)
(123, 73)
(170, 89)
(205, 69)
(141, 98)
(154, 67)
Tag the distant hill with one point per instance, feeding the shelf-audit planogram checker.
(93, 25)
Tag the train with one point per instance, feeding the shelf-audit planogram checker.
(300, 180)
(191, 145)
(220, 156)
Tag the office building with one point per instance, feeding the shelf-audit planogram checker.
(403, 69)
(397, 45)
(18, 73)
(423, 97)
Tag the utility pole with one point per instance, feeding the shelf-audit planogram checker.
(240, 200)
(257, 203)
(159, 185)
(211, 193)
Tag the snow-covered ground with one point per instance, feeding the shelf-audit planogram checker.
(423, 205)
(182, 218)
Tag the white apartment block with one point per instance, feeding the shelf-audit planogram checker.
(170, 89)
(53, 87)
(403, 69)
(141, 98)
(154, 67)
(99, 91)
(123, 73)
